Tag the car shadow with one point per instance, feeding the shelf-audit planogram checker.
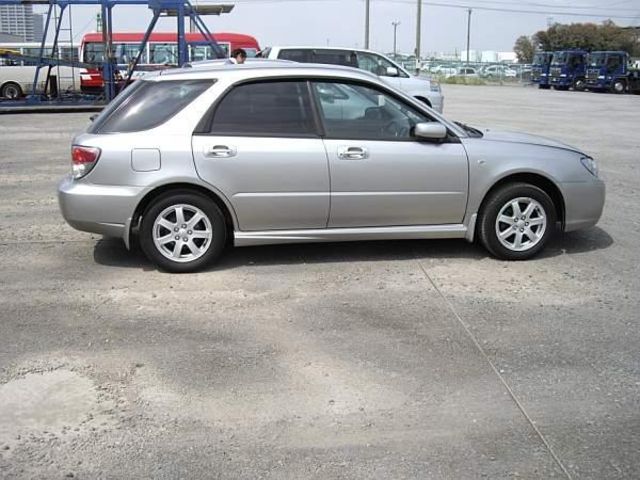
(112, 252)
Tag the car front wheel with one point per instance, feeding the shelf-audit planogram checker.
(182, 232)
(516, 221)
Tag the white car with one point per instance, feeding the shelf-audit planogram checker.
(499, 71)
(16, 80)
(424, 89)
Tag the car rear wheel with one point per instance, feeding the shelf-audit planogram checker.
(11, 90)
(516, 221)
(182, 232)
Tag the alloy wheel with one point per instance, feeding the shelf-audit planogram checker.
(182, 233)
(520, 224)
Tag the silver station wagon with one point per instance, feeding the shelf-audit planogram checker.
(190, 160)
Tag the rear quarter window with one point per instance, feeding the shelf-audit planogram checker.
(148, 105)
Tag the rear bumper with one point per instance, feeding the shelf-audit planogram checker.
(103, 209)
(584, 202)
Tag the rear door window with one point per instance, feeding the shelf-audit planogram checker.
(275, 108)
(148, 104)
(346, 58)
(295, 55)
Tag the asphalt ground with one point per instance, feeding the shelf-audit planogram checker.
(377, 360)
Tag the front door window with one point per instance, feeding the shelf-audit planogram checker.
(361, 112)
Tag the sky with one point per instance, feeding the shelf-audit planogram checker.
(341, 22)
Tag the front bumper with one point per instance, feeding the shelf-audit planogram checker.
(561, 81)
(584, 202)
(103, 209)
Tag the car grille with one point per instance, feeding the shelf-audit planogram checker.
(592, 73)
(555, 72)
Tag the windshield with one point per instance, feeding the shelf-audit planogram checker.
(377, 65)
(559, 58)
(541, 58)
(597, 59)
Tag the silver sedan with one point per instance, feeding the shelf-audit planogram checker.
(187, 161)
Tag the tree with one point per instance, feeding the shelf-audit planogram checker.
(586, 36)
(524, 49)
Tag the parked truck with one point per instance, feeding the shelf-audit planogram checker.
(609, 71)
(568, 70)
(540, 69)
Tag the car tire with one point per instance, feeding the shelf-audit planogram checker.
(619, 86)
(11, 90)
(579, 85)
(177, 241)
(511, 234)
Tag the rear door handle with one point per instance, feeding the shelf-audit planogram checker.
(221, 151)
(352, 153)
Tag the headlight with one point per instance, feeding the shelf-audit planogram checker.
(435, 87)
(590, 164)
(563, 75)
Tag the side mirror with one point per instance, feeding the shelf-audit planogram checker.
(430, 131)
(392, 72)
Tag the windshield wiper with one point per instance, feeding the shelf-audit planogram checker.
(473, 131)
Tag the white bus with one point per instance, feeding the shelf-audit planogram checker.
(16, 75)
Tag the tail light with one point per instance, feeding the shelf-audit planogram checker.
(83, 159)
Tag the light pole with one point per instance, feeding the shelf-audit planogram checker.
(418, 28)
(366, 23)
(468, 34)
(395, 37)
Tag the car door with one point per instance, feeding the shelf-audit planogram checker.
(263, 152)
(380, 174)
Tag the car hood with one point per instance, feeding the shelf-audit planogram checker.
(526, 138)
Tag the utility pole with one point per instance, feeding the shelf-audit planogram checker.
(366, 23)
(418, 29)
(395, 38)
(468, 34)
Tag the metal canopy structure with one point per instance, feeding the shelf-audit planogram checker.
(181, 9)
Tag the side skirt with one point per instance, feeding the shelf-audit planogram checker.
(247, 239)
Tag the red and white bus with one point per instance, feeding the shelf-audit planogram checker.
(161, 49)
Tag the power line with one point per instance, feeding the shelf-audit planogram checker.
(513, 10)
(475, 4)
(556, 5)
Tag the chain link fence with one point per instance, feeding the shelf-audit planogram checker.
(474, 73)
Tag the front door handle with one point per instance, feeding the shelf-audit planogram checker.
(221, 151)
(352, 153)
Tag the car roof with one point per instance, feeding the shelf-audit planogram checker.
(263, 69)
(316, 47)
(221, 61)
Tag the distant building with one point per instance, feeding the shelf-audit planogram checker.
(19, 20)
(474, 56)
(7, 38)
